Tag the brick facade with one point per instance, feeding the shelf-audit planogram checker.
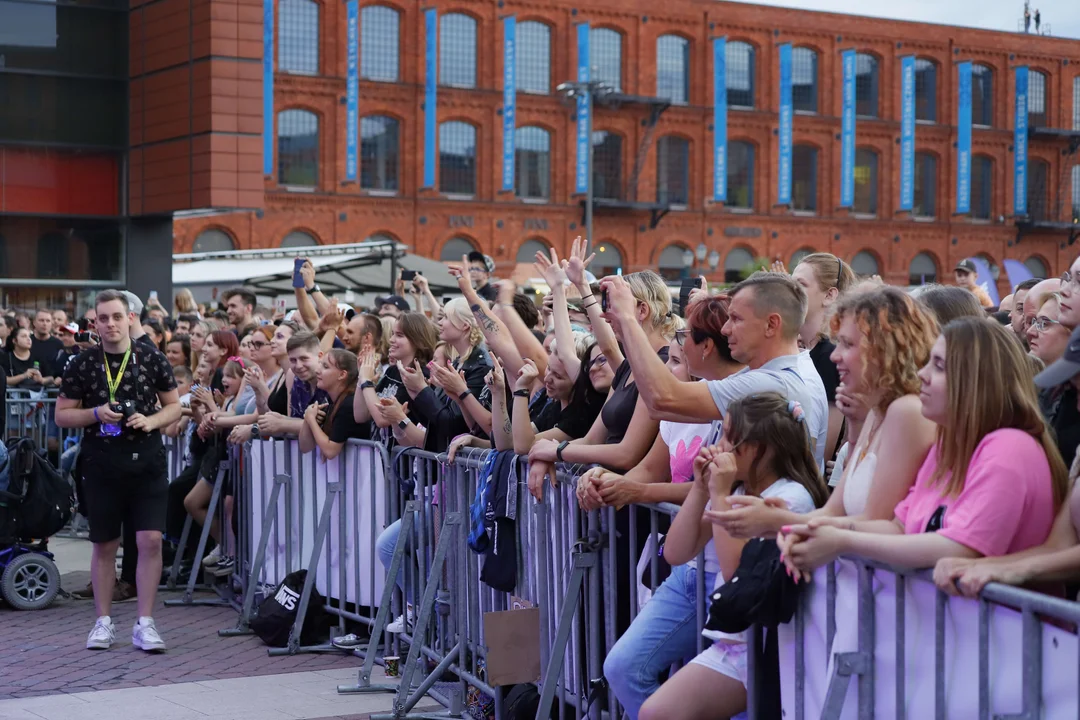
(499, 223)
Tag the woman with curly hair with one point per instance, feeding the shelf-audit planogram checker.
(883, 338)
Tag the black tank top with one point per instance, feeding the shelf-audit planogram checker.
(279, 398)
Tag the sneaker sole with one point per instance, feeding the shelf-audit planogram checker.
(98, 646)
(151, 649)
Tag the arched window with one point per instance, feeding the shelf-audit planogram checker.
(1036, 267)
(379, 154)
(454, 248)
(740, 175)
(925, 204)
(379, 54)
(923, 270)
(527, 252)
(378, 237)
(739, 64)
(864, 264)
(1038, 200)
(804, 170)
(533, 53)
(298, 238)
(605, 57)
(982, 96)
(982, 187)
(738, 264)
(804, 83)
(457, 51)
(608, 260)
(298, 36)
(532, 163)
(607, 165)
(298, 148)
(673, 68)
(866, 85)
(1038, 100)
(457, 158)
(673, 171)
(798, 256)
(925, 90)
(866, 182)
(671, 265)
(213, 240)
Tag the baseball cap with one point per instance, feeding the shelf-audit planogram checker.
(134, 303)
(1062, 371)
(967, 265)
(396, 300)
(477, 256)
(70, 327)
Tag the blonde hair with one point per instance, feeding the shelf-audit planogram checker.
(650, 289)
(447, 348)
(583, 342)
(184, 302)
(830, 271)
(458, 312)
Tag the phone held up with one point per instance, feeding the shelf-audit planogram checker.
(409, 275)
(297, 278)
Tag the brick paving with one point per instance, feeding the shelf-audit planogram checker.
(43, 653)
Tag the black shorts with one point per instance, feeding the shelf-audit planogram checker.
(125, 487)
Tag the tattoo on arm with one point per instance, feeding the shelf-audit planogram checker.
(507, 427)
(484, 319)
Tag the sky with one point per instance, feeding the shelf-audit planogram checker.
(1063, 16)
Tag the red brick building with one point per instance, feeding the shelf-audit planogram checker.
(658, 179)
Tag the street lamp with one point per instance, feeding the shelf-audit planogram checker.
(585, 91)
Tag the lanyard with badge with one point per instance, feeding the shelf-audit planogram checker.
(113, 429)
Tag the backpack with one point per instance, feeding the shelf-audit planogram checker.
(277, 613)
(45, 500)
(522, 702)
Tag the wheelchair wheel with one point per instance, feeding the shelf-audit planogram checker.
(30, 582)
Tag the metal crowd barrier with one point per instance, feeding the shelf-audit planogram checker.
(32, 414)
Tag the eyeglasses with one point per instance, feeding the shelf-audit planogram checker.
(1043, 323)
(680, 337)
(477, 270)
(1070, 278)
(255, 345)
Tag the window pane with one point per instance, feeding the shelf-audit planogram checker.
(532, 162)
(982, 186)
(298, 36)
(527, 252)
(864, 264)
(78, 111)
(738, 264)
(457, 158)
(608, 260)
(379, 43)
(739, 62)
(605, 57)
(607, 165)
(740, 175)
(298, 238)
(298, 148)
(457, 51)
(925, 90)
(673, 171)
(925, 186)
(673, 68)
(1038, 190)
(533, 54)
(379, 153)
(982, 95)
(1076, 103)
(1076, 193)
(922, 271)
(455, 248)
(670, 263)
(804, 80)
(866, 182)
(804, 178)
(60, 249)
(866, 85)
(213, 240)
(1036, 266)
(42, 36)
(1037, 113)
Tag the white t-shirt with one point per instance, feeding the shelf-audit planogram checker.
(684, 441)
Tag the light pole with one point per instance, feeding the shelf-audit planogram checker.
(585, 91)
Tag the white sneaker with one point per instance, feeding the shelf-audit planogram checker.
(399, 624)
(145, 637)
(102, 636)
(213, 558)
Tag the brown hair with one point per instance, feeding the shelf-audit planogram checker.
(830, 271)
(421, 334)
(108, 296)
(777, 293)
(896, 337)
(768, 420)
(948, 302)
(990, 386)
(306, 340)
(342, 360)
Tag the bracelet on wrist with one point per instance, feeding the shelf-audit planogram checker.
(586, 307)
(521, 393)
(464, 394)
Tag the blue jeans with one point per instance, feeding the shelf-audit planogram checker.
(385, 545)
(664, 632)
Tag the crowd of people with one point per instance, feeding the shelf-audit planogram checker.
(835, 414)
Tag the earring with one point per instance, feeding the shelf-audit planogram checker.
(702, 356)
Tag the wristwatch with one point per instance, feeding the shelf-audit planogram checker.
(255, 431)
(558, 450)
(366, 384)
(313, 289)
(403, 423)
(464, 394)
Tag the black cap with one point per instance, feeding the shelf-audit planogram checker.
(967, 265)
(396, 300)
(1065, 369)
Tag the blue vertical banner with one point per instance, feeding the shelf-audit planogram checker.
(431, 97)
(963, 140)
(719, 49)
(509, 100)
(352, 86)
(1020, 144)
(268, 87)
(847, 132)
(786, 113)
(907, 133)
(581, 174)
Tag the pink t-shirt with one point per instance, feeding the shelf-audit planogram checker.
(1007, 504)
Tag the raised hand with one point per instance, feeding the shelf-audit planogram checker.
(527, 375)
(367, 366)
(576, 264)
(413, 378)
(551, 269)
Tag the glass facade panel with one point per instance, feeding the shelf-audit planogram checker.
(76, 111)
(457, 51)
(60, 249)
(379, 33)
(673, 68)
(455, 248)
(63, 38)
(533, 55)
(804, 82)
(922, 271)
(379, 153)
(61, 182)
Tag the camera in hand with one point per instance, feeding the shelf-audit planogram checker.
(408, 275)
(124, 407)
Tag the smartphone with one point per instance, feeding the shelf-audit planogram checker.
(603, 300)
(153, 296)
(279, 304)
(408, 275)
(688, 284)
(297, 278)
(85, 336)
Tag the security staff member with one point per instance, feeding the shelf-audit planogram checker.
(113, 391)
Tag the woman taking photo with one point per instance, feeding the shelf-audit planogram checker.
(330, 426)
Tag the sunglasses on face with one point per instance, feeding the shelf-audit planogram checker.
(258, 345)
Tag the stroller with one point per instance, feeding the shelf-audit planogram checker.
(35, 503)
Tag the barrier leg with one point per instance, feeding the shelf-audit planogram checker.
(582, 561)
(174, 569)
(187, 599)
(859, 663)
(333, 491)
(1032, 669)
(363, 681)
(260, 560)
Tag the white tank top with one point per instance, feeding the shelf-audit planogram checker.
(857, 484)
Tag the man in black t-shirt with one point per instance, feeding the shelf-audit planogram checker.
(45, 349)
(113, 391)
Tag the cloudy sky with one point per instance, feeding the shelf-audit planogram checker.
(1063, 16)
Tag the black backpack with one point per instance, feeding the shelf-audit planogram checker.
(521, 702)
(277, 613)
(42, 500)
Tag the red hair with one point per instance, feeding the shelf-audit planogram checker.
(226, 340)
(706, 319)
